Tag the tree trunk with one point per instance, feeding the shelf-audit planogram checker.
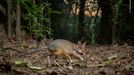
(9, 31)
(18, 24)
(2, 9)
(105, 35)
(81, 19)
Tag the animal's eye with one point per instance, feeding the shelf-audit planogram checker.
(78, 49)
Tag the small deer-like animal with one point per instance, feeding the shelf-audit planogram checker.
(65, 48)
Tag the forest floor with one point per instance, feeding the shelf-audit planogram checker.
(24, 58)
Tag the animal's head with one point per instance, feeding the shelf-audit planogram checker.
(80, 47)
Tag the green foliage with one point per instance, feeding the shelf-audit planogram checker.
(93, 34)
(38, 21)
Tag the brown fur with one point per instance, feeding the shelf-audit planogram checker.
(64, 48)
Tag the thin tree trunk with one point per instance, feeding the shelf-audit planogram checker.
(9, 3)
(18, 24)
(2, 9)
(34, 2)
(81, 19)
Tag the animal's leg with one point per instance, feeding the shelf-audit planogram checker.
(77, 56)
(70, 61)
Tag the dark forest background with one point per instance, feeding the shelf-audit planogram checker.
(94, 21)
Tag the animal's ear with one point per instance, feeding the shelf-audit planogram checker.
(79, 43)
(84, 44)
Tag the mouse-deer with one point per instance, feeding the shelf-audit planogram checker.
(65, 48)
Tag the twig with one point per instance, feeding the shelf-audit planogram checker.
(57, 64)
(60, 67)
(48, 59)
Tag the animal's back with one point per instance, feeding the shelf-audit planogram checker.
(60, 45)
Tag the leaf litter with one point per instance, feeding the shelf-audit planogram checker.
(26, 58)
